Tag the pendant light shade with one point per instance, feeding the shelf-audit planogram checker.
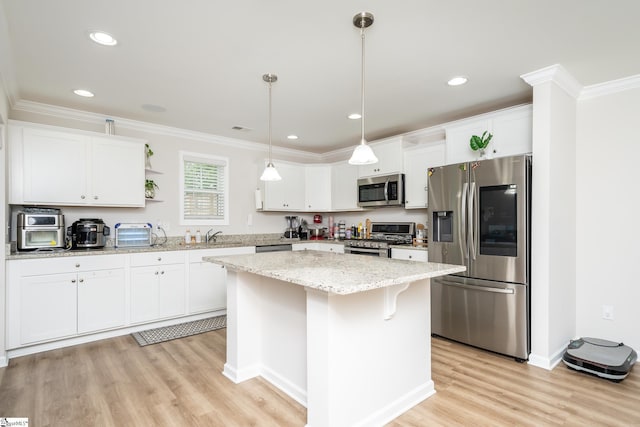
(270, 173)
(363, 154)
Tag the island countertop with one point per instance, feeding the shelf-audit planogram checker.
(333, 272)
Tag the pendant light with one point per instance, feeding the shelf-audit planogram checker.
(363, 154)
(270, 173)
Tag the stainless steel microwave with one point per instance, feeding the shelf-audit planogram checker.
(379, 191)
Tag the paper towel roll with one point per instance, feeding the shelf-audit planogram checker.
(258, 199)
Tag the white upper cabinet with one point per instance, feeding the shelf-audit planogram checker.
(389, 154)
(287, 194)
(58, 166)
(115, 167)
(318, 188)
(416, 166)
(511, 129)
(344, 187)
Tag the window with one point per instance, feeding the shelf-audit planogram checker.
(204, 189)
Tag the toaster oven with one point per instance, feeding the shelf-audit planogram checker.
(40, 228)
(130, 235)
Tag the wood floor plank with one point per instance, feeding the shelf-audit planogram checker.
(115, 382)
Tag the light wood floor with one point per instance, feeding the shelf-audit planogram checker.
(179, 383)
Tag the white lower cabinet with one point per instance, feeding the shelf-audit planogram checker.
(49, 299)
(208, 281)
(158, 286)
(410, 254)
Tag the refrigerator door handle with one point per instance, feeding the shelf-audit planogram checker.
(477, 288)
(472, 228)
(463, 219)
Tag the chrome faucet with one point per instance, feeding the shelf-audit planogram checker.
(210, 236)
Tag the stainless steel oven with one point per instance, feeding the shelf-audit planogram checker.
(381, 236)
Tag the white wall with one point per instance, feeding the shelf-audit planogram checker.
(245, 166)
(608, 230)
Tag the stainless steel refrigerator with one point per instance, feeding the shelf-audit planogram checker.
(479, 216)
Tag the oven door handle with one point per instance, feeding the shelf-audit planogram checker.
(477, 288)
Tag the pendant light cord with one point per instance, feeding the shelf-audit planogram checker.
(362, 140)
(270, 160)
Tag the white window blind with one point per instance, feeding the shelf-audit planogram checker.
(204, 190)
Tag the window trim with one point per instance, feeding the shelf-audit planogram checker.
(203, 158)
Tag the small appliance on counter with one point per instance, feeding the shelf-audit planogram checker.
(291, 231)
(133, 235)
(88, 233)
(40, 228)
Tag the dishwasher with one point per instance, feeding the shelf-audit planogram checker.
(277, 247)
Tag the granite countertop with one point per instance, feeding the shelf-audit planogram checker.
(171, 244)
(176, 243)
(333, 272)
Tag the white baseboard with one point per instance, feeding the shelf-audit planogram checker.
(547, 362)
(4, 361)
(52, 345)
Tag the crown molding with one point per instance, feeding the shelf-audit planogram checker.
(556, 74)
(95, 118)
(608, 88)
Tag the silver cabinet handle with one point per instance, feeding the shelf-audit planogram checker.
(162, 272)
(95, 197)
(156, 273)
(477, 288)
(73, 280)
(77, 265)
(81, 280)
(82, 197)
(159, 258)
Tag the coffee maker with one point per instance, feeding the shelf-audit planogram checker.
(291, 231)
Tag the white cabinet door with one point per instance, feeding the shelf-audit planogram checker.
(389, 154)
(117, 173)
(207, 287)
(171, 291)
(317, 188)
(458, 137)
(416, 167)
(101, 300)
(287, 194)
(344, 187)
(208, 281)
(512, 133)
(409, 254)
(144, 294)
(47, 307)
(54, 167)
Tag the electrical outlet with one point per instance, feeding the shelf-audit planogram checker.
(162, 225)
(607, 312)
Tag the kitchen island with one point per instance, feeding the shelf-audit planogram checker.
(347, 336)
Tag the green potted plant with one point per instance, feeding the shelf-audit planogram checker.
(480, 142)
(150, 188)
(148, 152)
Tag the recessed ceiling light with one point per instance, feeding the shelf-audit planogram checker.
(103, 38)
(292, 137)
(457, 81)
(153, 108)
(354, 116)
(83, 92)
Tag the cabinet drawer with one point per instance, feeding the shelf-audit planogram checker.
(157, 258)
(37, 267)
(409, 254)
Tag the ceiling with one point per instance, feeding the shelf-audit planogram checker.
(202, 61)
